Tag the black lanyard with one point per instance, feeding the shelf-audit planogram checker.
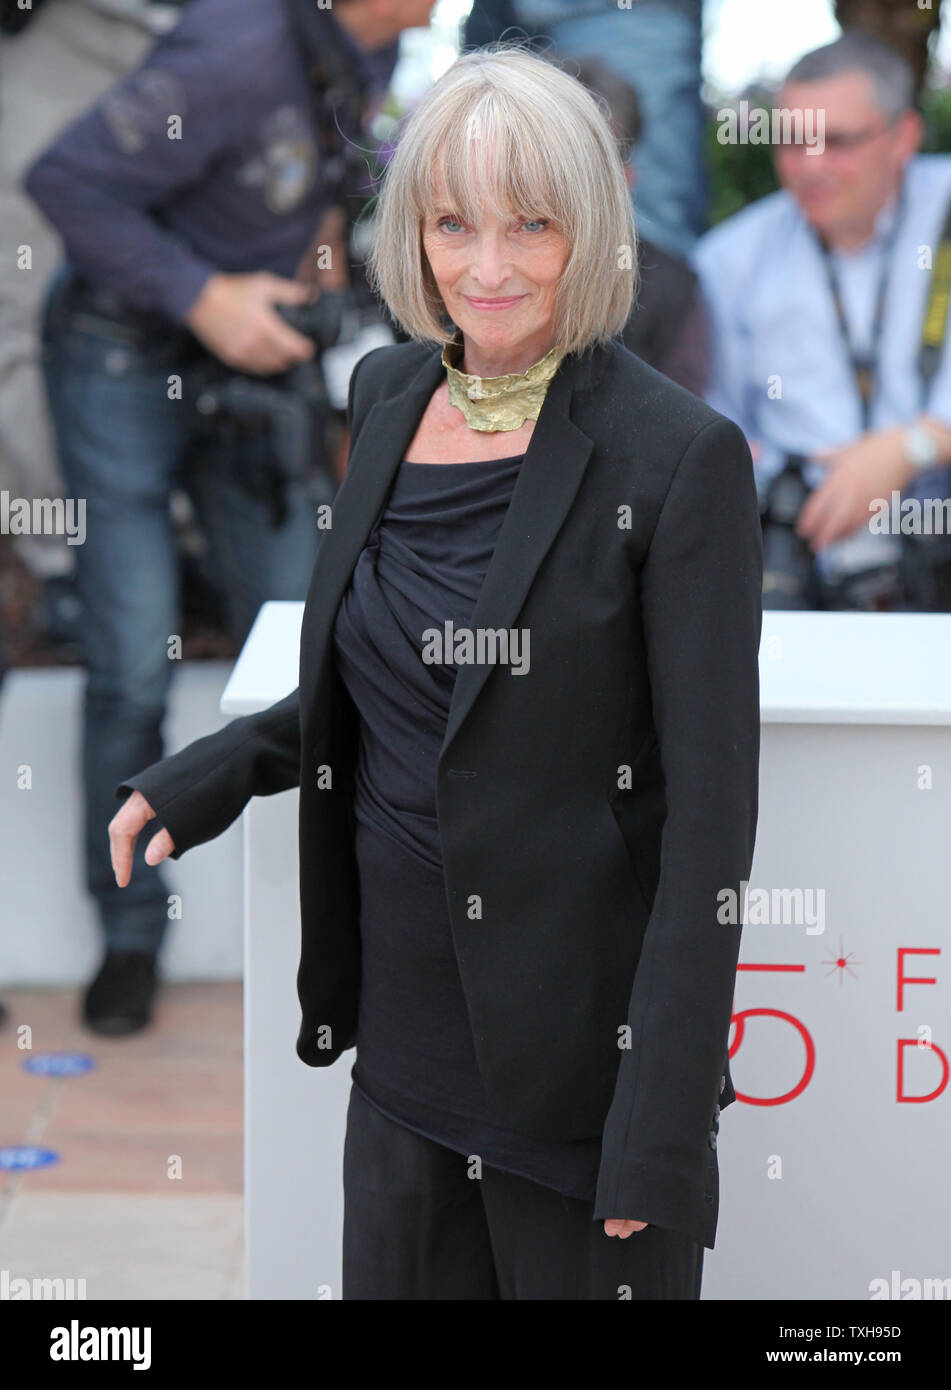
(865, 366)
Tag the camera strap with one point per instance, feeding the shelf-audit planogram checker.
(935, 321)
(865, 365)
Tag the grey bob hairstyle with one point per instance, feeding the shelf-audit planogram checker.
(508, 131)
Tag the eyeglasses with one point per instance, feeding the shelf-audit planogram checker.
(841, 142)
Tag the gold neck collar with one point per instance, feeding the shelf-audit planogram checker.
(498, 402)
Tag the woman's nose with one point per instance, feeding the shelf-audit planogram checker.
(489, 266)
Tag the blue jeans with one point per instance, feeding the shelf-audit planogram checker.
(655, 46)
(122, 445)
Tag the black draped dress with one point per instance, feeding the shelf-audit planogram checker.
(423, 565)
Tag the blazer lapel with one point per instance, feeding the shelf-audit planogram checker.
(548, 480)
(377, 452)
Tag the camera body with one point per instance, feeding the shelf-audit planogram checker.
(789, 572)
(277, 426)
(792, 580)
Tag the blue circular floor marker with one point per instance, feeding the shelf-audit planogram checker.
(59, 1064)
(24, 1156)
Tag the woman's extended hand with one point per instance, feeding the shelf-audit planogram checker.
(616, 1227)
(124, 829)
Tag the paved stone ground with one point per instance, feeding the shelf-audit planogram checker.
(112, 1210)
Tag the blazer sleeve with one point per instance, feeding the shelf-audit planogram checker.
(701, 595)
(197, 793)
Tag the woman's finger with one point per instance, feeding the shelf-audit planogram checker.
(614, 1226)
(132, 815)
(120, 850)
(159, 847)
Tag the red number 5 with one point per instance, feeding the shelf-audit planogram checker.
(739, 1019)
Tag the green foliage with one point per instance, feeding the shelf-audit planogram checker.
(936, 109)
(739, 174)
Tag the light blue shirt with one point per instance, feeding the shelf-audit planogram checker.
(780, 367)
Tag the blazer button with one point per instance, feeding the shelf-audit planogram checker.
(716, 1112)
(722, 1084)
(712, 1139)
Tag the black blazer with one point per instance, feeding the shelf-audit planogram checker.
(591, 810)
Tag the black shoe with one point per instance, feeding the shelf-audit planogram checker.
(61, 612)
(119, 1000)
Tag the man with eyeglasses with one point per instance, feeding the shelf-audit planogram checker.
(819, 296)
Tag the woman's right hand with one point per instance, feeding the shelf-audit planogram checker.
(124, 829)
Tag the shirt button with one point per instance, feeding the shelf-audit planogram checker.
(712, 1139)
(722, 1084)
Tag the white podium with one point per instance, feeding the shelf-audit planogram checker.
(834, 1160)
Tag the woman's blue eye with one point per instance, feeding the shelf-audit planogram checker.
(539, 222)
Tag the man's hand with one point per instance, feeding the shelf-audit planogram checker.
(234, 317)
(124, 829)
(616, 1227)
(870, 467)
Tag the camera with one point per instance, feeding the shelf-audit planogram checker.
(281, 421)
(789, 578)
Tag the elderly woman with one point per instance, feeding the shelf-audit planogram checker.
(526, 735)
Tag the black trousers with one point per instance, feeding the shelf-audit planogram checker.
(417, 1226)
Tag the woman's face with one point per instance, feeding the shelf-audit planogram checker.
(497, 279)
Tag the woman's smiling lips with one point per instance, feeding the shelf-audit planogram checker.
(493, 304)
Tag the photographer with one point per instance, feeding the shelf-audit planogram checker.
(187, 199)
(830, 337)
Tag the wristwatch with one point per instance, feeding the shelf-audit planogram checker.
(920, 449)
